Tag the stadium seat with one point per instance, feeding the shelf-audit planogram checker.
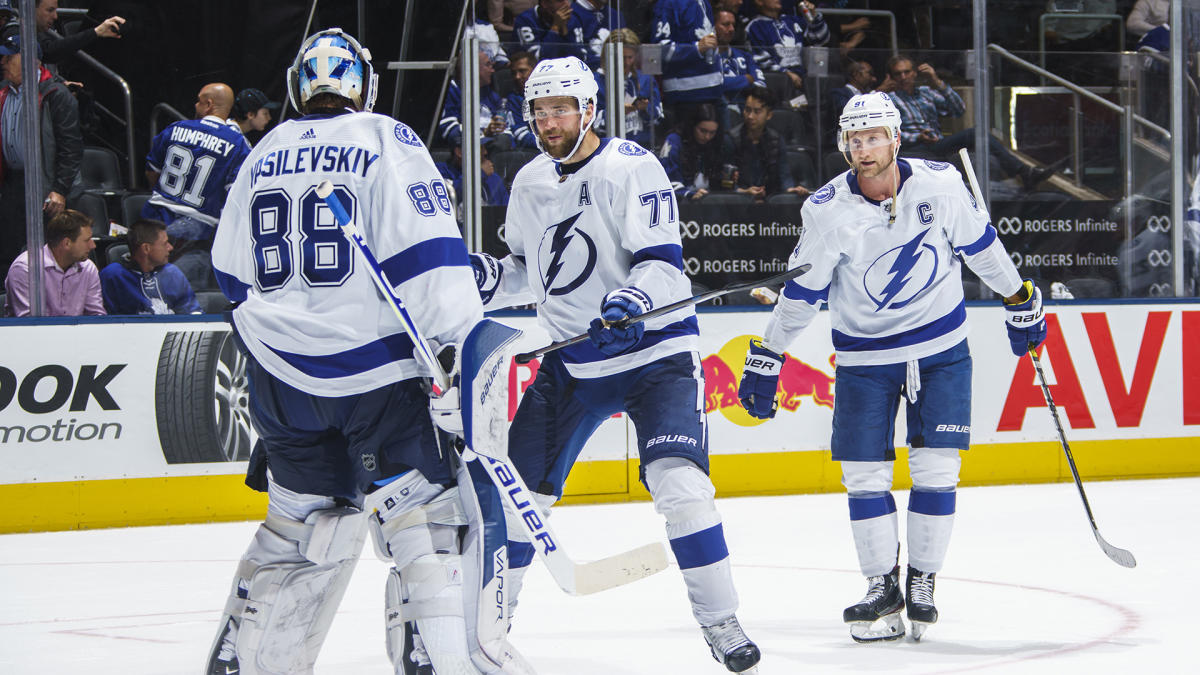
(787, 122)
(509, 162)
(726, 199)
(440, 155)
(115, 252)
(802, 168)
(94, 207)
(1088, 287)
(781, 86)
(131, 207)
(212, 302)
(100, 172)
(832, 164)
(502, 82)
(786, 198)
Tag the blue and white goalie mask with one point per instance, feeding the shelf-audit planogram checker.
(332, 62)
(567, 76)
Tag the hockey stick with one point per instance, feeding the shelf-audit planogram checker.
(667, 309)
(1118, 555)
(574, 578)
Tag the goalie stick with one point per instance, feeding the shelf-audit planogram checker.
(1118, 555)
(573, 577)
(667, 309)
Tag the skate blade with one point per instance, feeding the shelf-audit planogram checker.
(918, 629)
(752, 670)
(886, 628)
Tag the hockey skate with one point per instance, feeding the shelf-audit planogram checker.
(731, 647)
(223, 660)
(877, 616)
(921, 611)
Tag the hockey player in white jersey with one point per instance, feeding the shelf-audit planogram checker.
(885, 241)
(346, 442)
(593, 228)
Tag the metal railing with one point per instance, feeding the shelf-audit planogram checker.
(159, 110)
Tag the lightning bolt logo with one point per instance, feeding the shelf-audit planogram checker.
(560, 238)
(907, 257)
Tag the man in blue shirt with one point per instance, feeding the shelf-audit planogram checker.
(143, 282)
(191, 165)
(552, 29)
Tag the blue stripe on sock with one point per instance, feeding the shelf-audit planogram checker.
(871, 507)
(931, 503)
(520, 553)
(700, 548)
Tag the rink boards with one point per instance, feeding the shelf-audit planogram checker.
(112, 422)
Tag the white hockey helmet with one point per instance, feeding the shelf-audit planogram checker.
(567, 76)
(332, 62)
(868, 111)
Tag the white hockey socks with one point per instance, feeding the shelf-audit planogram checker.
(931, 505)
(683, 494)
(873, 520)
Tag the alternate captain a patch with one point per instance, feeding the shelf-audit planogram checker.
(585, 194)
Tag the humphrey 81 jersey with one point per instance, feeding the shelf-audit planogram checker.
(197, 161)
(579, 233)
(894, 290)
(310, 312)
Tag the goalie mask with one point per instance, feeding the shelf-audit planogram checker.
(868, 111)
(562, 77)
(332, 62)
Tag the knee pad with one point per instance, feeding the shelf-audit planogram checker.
(866, 477)
(288, 587)
(411, 517)
(934, 468)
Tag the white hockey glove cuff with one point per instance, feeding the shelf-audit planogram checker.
(446, 409)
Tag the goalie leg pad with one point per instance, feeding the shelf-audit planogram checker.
(684, 495)
(283, 602)
(931, 505)
(873, 521)
(520, 550)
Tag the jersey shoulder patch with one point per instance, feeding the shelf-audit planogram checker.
(936, 165)
(631, 149)
(406, 135)
(823, 195)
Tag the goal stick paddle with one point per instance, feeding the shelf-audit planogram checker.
(1118, 555)
(573, 577)
(667, 309)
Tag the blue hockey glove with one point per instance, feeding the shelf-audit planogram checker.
(1026, 322)
(487, 275)
(621, 303)
(760, 379)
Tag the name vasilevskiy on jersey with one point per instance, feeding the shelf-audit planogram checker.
(320, 158)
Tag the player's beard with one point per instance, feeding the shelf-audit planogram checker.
(560, 149)
(881, 166)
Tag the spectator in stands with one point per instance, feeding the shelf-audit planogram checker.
(494, 191)
(691, 155)
(603, 18)
(778, 39)
(758, 151)
(252, 112)
(70, 282)
(61, 146)
(55, 49)
(8, 12)
(920, 107)
(521, 66)
(643, 105)
(142, 281)
(553, 29)
(860, 79)
(1147, 15)
(493, 119)
(737, 66)
(191, 165)
(502, 12)
(489, 39)
(692, 77)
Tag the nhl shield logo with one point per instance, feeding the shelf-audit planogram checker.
(368, 461)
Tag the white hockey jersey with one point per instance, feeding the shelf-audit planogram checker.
(310, 312)
(894, 291)
(575, 236)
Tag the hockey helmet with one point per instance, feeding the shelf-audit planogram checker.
(332, 62)
(567, 76)
(868, 111)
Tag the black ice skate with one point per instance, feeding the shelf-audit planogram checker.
(921, 611)
(731, 647)
(877, 616)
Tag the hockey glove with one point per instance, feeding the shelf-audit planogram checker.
(446, 409)
(1026, 322)
(760, 379)
(487, 275)
(610, 337)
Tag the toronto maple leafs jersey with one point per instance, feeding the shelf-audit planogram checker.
(894, 291)
(197, 161)
(576, 236)
(310, 312)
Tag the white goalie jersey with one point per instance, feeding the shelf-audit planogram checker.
(576, 236)
(310, 312)
(894, 290)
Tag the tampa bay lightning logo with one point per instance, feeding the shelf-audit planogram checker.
(406, 135)
(898, 276)
(630, 149)
(560, 257)
(823, 195)
(936, 165)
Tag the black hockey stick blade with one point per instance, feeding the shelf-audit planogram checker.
(1118, 555)
(785, 277)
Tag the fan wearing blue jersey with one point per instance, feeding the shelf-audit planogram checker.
(592, 226)
(339, 403)
(885, 241)
(191, 165)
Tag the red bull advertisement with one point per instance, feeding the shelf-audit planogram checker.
(799, 381)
